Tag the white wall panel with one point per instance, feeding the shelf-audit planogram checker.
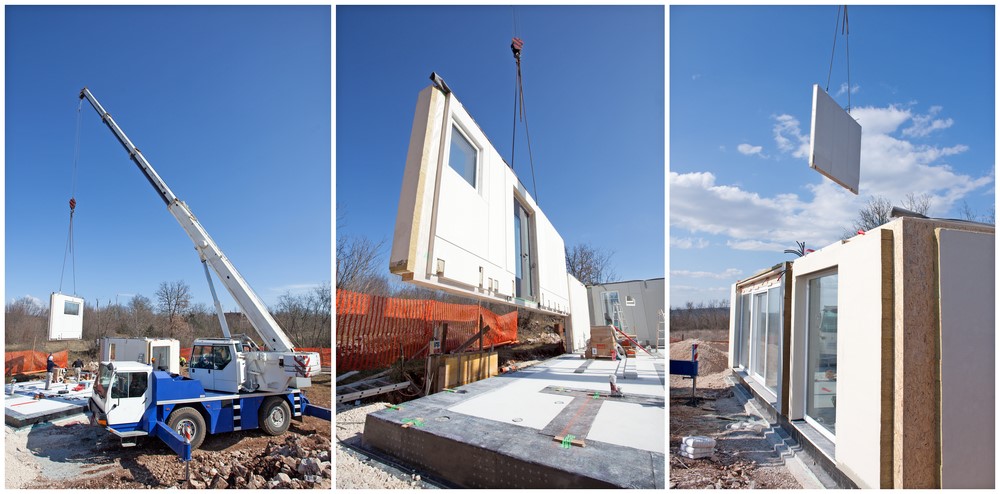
(968, 360)
(469, 231)
(65, 317)
(835, 144)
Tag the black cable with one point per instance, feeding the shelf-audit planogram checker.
(834, 50)
(527, 135)
(847, 42)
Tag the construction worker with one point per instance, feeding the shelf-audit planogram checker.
(78, 368)
(184, 362)
(50, 367)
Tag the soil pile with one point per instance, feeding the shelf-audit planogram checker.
(711, 359)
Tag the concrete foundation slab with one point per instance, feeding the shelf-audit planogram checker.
(500, 432)
(21, 408)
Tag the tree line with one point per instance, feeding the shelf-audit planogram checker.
(713, 314)
(305, 318)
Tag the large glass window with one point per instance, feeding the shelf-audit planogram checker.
(610, 301)
(71, 308)
(129, 385)
(745, 330)
(462, 157)
(210, 357)
(772, 355)
(821, 361)
(759, 332)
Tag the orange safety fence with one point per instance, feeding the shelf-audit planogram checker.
(325, 354)
(32, 361)
(372, 332)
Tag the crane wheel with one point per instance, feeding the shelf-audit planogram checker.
(275, 416)
(190, 420)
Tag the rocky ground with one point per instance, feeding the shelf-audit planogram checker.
(743, 459)
(71, 454)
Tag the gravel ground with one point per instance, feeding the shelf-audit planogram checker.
(69, 454)
(744, 458)
(356, 471)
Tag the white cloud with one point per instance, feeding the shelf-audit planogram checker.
(695, 77)
(925, 124)
(730, 273)
(890, 166)
(758, 245)
(843, 89)
(788, 136)
(749, 150)
(688, 242)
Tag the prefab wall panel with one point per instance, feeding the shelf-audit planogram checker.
(858, 266)
(579, 319)
(65, 317)
(456, 232)
(968, 361)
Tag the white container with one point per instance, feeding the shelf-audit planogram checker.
(65, 317)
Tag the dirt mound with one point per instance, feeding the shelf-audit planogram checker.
(712, 359)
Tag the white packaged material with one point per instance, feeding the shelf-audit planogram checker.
(694, 456)
(696, 451)
(698, 441)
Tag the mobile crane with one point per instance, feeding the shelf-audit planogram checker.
(234, 384)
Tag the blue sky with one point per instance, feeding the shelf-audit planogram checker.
(741, 190)
(231, 105)
(594, 94)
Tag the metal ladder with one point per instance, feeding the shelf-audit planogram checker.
(661, 329)
(366, 388)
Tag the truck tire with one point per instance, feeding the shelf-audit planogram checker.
(275, 416)
(188, 417)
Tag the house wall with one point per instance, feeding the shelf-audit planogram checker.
(63, 326)
(968, 362)
(578, 322)
(643, 318)
(458, 238)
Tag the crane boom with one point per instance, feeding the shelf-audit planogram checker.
(251, 305)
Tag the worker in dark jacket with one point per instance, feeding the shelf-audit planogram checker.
(50, 367)
(78, 368)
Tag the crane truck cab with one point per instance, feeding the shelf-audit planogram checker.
(132, 400)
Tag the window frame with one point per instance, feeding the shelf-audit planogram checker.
(806, 280)
(748, 330)
(456, 126)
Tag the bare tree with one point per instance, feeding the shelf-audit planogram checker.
(878, 211)
(360, 266)
(173, 300)
(919, 204)
(141, 319)
(25, 320)
(306, 318)
(589, 265)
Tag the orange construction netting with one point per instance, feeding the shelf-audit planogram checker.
(32, 361)
(373, 332)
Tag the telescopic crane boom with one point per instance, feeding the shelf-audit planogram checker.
(245, 297)
(274, 370)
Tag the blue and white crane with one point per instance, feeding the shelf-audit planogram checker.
(234, 384)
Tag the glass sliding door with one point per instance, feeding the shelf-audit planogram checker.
(759, 333)
(821, 354)
(744, 341)
(524, 257)
(773, 343)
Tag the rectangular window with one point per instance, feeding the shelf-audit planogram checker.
(629, 301)
(745, 330)
(773, 351)
(610, 316)
(759, 332)
(71, 308)
(821, 353)
(524, 261)
(462, 157)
